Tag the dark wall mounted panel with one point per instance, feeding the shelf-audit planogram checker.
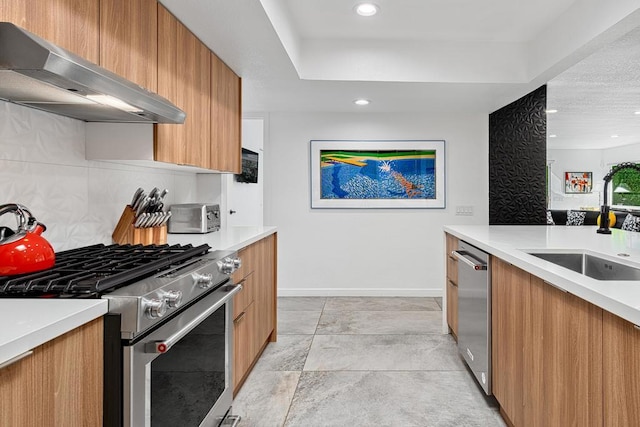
(517, 161)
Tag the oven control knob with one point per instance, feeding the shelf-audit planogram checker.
(155, 308)
(173, 298)
(202, 280)
(228, 265)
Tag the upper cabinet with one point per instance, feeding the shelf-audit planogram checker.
(184, 70)
(129, 40)
(70, 24)
(226, 91)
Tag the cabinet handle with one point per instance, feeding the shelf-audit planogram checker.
(239, 318)
(16, 359)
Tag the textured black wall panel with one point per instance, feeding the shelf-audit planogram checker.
(517, 161)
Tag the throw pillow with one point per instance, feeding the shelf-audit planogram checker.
(550, 219)
(575, 218)
(631, 223)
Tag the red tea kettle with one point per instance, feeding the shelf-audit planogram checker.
(23, 250)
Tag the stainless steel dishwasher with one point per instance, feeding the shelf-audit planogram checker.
(474, 311)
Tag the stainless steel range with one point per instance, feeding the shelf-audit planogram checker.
(168, 334)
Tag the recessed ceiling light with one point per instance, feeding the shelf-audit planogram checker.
(362, 101)
(636, 112)
(550, 111)
(614, 136)
(552, 136)
(366, 9)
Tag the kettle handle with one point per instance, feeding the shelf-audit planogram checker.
(26, 220)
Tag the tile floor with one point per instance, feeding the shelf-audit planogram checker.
(356, 361)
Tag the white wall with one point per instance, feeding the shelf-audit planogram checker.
(368, 251)
(246, 199)
(575, 161)
(43, 166)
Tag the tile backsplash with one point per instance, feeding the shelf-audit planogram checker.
(43, 166)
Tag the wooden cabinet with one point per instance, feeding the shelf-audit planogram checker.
(184, 78)
(621, 376)
(129, 40)
(243, 344)
(572, 360)
(70, 24)
(226, 112)
(510, 286)
(255, 306)
(452, 285)
(60, 384)
(547, 352)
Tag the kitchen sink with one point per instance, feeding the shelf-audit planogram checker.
(591, 265)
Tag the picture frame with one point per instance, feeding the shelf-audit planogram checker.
(378, 174)
(578, 182)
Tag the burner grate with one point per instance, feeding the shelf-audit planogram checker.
(98, 269)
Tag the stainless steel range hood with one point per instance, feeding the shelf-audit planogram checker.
(38, 74)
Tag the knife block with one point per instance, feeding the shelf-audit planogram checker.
(125, 233)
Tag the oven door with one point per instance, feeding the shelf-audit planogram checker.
(180, 374)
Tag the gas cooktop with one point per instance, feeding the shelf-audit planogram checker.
(92, 271)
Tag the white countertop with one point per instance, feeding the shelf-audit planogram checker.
(28, 323)
(226, 239)
(511, 243)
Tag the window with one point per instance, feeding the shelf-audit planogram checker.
(625, 187)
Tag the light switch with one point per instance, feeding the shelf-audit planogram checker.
(464, 210)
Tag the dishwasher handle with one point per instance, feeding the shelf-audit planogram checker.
(469, 260)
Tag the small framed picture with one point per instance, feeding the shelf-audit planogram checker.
(578, 182)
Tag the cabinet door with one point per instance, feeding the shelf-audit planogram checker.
(621, 371)
(266, 294)
(70, 24)
(452, 284)
(572, 360)
(243, 344)
(170, 140)
(510, 286)
(226, 114)
(184, 70)
(452, 308)
(60, 384)
(533, 375)
(129, 40)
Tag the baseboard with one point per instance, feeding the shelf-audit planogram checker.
(358, 292)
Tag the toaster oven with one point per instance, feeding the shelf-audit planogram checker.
(194, 218)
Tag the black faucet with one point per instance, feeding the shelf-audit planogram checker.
(604, 210)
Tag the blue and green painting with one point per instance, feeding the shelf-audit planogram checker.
(384, 174)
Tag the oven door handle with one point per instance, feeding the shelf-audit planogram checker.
(165, 345)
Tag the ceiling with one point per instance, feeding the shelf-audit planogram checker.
(413, 56)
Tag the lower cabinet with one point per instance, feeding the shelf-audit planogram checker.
(547, 349)
(510, 286)
(60, 384)
(255, 306)
(621, 365)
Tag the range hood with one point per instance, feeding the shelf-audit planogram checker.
(38, 74)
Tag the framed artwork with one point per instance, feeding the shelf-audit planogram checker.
(377, 174)
(577, 182)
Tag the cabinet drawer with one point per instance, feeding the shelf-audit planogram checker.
(242, 299)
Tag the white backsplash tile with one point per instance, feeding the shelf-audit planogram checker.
(43, 166)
